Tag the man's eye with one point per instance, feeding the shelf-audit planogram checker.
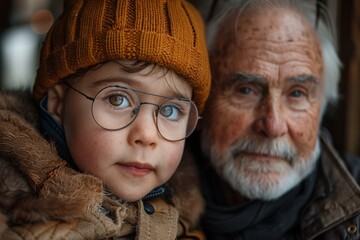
(297, 93)
(245, 90)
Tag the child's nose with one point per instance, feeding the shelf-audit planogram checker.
(143, 130)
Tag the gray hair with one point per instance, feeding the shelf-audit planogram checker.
(324, 27)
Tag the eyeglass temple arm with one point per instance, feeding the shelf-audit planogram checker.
(90, 98)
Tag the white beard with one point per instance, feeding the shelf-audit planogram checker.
(264, 180)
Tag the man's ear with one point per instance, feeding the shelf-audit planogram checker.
(56, 101)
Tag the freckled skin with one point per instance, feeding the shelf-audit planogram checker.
(276, 45)
(104, 153)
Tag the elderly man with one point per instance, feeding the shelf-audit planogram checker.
(268, 171)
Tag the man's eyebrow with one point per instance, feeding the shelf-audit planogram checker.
(241, 77)
(248, 77)
(262, 80)
(305, 78)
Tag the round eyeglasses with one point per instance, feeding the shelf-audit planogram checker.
(116, 107)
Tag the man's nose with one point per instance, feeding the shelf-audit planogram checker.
(271, 120)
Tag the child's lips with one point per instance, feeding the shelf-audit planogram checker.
(135, 168)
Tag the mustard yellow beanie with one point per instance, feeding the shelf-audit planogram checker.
(169, 33)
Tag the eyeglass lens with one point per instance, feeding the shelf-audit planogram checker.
(116, 107)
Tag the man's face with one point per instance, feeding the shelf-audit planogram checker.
(262, 119)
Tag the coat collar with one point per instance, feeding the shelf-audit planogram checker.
(337, 195)
(52, 178)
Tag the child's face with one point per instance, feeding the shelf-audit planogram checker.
(131, 161)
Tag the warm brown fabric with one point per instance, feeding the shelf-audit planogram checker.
(165, 32)
(334, 211)
(184, 182)
(42, 198)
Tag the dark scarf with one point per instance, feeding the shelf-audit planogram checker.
(54, 132)
(257, 219)
(253, 220)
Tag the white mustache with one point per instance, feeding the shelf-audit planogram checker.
(279, 148)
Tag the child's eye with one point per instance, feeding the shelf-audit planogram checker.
(119, 101)
(170, 112)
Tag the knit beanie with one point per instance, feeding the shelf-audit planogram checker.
(169, 33)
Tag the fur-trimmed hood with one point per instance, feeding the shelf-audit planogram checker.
(39, 186)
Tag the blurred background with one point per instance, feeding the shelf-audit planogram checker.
(24, 24)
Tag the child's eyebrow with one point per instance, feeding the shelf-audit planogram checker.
(136, 85)
(111, 80)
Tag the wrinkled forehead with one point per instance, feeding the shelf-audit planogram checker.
(277, 24)
(275, 33)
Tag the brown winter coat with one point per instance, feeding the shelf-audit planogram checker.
(42, 198)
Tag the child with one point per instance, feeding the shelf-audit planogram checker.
(114, 86)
